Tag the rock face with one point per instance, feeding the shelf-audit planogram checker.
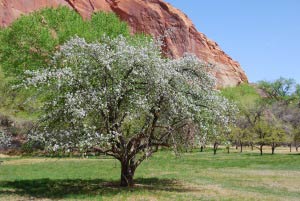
(12, 9)
(154, 17)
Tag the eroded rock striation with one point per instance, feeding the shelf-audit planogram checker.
(154, 17)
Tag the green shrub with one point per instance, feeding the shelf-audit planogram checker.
(31, 146)
(30, 41)
(243, 95)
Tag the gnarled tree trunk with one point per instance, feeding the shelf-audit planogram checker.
(127, 173)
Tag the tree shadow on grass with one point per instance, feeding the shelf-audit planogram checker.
(57, 189)
(294, 154)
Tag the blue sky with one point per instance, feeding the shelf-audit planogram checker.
(263, 35)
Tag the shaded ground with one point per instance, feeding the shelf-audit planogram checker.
(56, 189)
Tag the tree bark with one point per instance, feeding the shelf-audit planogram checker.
(261, 149)
(273, 146)
(215, 148)
(201, 149)
(273, 149)
(241, 147)
(290, 145)
(127, 173)
(215, 151)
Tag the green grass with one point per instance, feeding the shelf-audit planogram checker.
(192, 176)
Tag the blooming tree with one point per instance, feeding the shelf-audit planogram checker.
(121, 98)
(5, 140)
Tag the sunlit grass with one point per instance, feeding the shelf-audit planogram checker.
(192, 176)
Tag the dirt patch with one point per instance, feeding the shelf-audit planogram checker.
(7, 156)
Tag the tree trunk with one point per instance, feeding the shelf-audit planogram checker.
(273, 148)
(241, 147)
(251, 146)
(296, 148)
(261, 149)
(201, 149)
(127, 173)
(228, 149)
(215, 148)
(215, 151)
(290, 147)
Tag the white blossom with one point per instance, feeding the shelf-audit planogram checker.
(5, 140)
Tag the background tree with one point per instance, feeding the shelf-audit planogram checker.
(121, 98)
(279, 90)
(218, 136)
(296, 138)
(269, 112)
(283, 97)
(31, 40)
(261, 132)
(242, 135)
(248, 100)
(296, 94)
(277, 137)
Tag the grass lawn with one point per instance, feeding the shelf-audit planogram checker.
(193, 176)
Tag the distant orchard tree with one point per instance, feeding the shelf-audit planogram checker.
(121, 98)
(279, 90)
(276, 137)
(261, 131)
(241, 135)
(289, 116)
(217, 136)
(296, 138)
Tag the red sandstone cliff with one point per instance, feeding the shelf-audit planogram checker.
(154, 17)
